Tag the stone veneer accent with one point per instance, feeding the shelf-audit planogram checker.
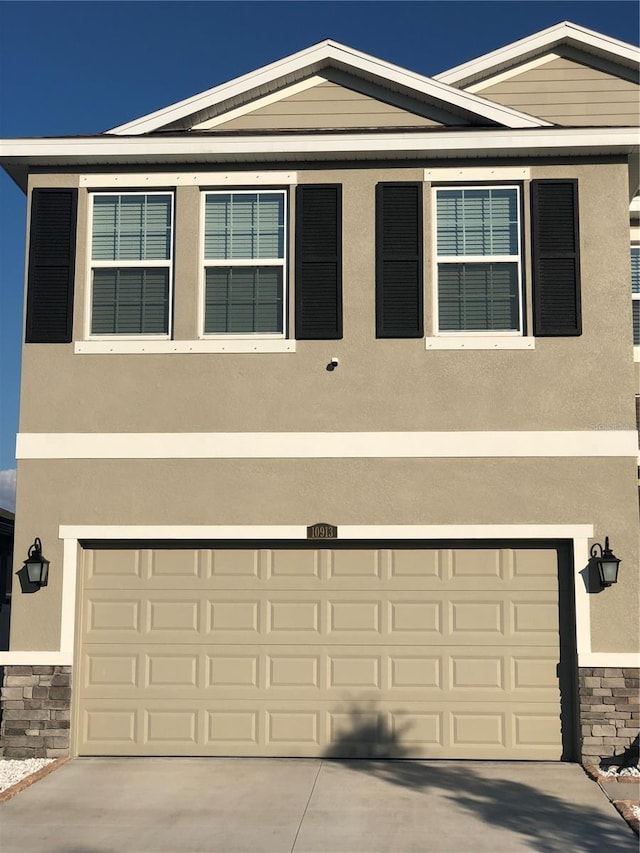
(609, 714)
(36, 712)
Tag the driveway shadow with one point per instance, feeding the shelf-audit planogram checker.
(550, 823)
(491, 794)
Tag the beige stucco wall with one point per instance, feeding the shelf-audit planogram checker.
(583, 383)
(390, 491)
(381, 384)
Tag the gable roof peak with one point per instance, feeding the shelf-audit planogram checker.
(564, 32)
(307, 62)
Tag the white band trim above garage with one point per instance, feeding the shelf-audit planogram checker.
(72, 534)
(345, 531)
(327, 445)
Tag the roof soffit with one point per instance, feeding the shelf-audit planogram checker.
(306, 63)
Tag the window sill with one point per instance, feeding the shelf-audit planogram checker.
(130, 347)
(477, 342)
(636, 354)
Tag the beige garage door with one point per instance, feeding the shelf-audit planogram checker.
(445, 652)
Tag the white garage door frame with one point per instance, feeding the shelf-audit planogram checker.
(72, 535)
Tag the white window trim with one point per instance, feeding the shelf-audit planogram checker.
(492, 341)
(230, 337)
(139, 180)
(118, 264)
(460, 339)
(152, 347)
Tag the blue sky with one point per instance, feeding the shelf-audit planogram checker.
(83, 67)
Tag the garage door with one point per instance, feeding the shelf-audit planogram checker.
(448, 652)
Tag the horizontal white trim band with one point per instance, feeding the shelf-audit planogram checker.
(636, 354)
(218, 345)
(617, 659)
(323, 445)
(177, 179)
(471, 342)
(345, 531)
(46, 658)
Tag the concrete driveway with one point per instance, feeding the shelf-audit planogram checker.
(243, 805)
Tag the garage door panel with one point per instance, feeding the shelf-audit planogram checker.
(370, 569)
(435, 652)
(402, 673)
(362, 727)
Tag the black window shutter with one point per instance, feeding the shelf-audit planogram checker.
(52, 246)
(556, 258)
(318, 283)
(399, 300)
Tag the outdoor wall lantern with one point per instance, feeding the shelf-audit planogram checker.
(607, 563)
(37, 564)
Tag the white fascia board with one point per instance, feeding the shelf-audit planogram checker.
(329, 53)
(144, 149)
(566, 32)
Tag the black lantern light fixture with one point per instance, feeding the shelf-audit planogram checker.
(37, 564)
(607, 563)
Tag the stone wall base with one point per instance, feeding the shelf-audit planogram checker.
(36, 712)
(609, 715)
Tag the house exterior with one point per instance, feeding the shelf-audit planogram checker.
(327, 402)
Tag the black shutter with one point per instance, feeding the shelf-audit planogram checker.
(556, 261)
(399, 311)
(52, 245)
(318, 283)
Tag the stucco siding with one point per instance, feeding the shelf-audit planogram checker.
(578, 383)
(602, 492)
(484, 390)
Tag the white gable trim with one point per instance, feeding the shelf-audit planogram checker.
(309, 61)
(564, 33)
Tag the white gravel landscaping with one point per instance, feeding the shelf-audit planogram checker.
(12, 770)
(615, 772)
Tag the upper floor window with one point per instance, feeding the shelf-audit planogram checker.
(478, 258)
(131, 263)
(635, 293)
(244, 260)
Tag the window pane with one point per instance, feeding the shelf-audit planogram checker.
(242, 226)
(243, 300)
(481, 297)
(130, 301)
(477, 222)
(636, 322)
(635, 269)
(131, 227)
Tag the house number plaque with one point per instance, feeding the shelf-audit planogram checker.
(322, 531)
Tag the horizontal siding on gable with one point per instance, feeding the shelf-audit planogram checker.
(565, 91)
(327, 106)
